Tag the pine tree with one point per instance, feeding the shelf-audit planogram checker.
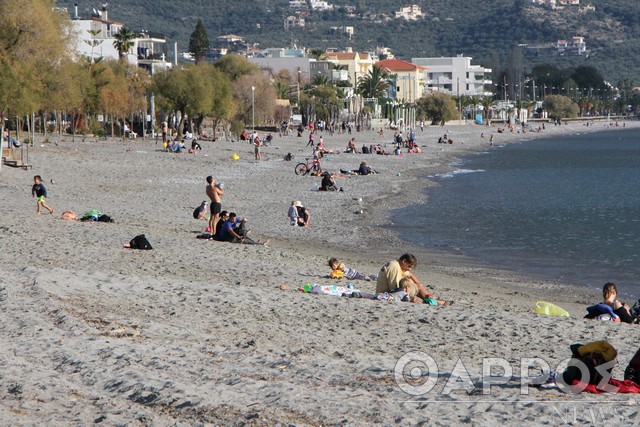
(199, 42)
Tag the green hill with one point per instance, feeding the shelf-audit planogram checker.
(487, 30)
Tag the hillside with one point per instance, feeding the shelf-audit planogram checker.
(450, 27)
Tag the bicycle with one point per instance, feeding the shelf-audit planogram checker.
(304, 168)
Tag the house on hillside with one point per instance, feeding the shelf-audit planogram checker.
(410, 12)
(293, 21)
(408, 79)
(577, 46)
(320, 5)
(343, 29)
(95, 38)
(229, 39)
(455, 76)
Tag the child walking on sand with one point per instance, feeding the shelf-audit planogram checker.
(40, 192)
(338, 270)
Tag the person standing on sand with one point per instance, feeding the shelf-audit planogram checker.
(393, 272)
(40, 192)
(257, 143)
(214, 192)
(165, 130)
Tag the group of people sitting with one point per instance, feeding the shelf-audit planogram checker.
(178, 146)
(229, 228)
(394, 282)
(299, 216)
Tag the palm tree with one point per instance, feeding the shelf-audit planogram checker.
(123, 41)
(487, 103)
(321, 80)
(374, 84)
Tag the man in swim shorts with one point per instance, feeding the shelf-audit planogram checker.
(215, 192)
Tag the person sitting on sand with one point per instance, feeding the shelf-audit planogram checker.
(351, 147)
(328, 183)
(394, 271)
(304, 216)
(224, 216)
(338, 270)
(235, 231)
(364, 169)
(609, 293)
(200, 211)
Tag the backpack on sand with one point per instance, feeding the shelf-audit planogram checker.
(140, 242)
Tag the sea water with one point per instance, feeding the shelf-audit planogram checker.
(562, 208)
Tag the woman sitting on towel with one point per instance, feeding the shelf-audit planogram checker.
(610, 308)
(609, 293)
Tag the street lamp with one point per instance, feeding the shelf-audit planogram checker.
(253, 109)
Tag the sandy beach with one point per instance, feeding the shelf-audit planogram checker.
(198, 332)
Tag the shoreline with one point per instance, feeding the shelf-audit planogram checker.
(200, 332)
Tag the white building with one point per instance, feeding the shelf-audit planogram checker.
(292, 61)
(95, 38)
(319, 5)
(455, 76)
(410, 12)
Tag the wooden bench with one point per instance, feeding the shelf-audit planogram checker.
(10, 157)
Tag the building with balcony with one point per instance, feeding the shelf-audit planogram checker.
(357, 64)
(95, 38)
(407, 78)
(455, 76)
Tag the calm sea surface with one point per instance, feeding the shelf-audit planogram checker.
(566, 208)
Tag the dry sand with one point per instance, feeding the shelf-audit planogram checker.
(199, 332)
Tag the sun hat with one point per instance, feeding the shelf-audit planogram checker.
(297, 204)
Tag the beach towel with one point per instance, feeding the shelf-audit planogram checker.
(328, 290)
(626, 386)
(91, 215)
(601, 312)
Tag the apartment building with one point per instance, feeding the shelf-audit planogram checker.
(455, 76)
(407, 79)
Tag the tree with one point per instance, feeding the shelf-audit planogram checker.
(487, 105)
(199, 42)
(439, 107)
(374, 84)
(560, 106)
(263, 97)
(34, 42)
(123, 41)
(235, 66)
(586, 76)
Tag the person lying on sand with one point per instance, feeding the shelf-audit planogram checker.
(393, 272)
(339, 270)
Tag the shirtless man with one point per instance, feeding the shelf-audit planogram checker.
(214, 192)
